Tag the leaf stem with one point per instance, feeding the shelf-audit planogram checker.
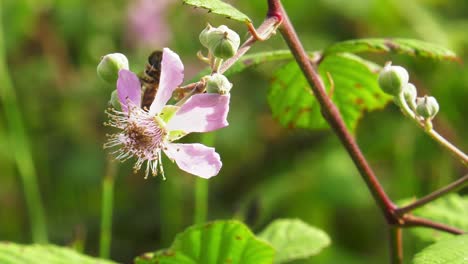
(331, 113)
(433, 196)
(21, 149)
(396, 245)
(107, 208)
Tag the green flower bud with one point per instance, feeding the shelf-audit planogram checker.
(392, 79)
(410, 93)
(108, 68)
(427, 107)
(204, 35)
(114, 100)
(222, 42)
(218, 83)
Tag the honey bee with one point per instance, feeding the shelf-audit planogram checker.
(150, 78)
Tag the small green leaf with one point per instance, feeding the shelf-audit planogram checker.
(355, 90)
(11, 253)
(213, 243)
(410, 47)
(447, 251)
(219, 7)
(293, 239)
(451, 210)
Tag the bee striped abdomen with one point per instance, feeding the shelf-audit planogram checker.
(150, 79)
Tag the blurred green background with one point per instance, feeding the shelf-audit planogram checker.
(53, 47)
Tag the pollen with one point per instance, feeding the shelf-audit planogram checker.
(139, 136)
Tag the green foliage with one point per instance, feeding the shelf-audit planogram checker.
(410, 47)
(451, 210)
(11, 253)
(355, 91)
(293, 239)
(447, 251)
(213, 243)
(219, 7)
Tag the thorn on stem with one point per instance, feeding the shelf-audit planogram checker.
(267, 35)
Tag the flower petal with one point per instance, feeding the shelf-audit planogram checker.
(196, 159)
(201, 113)
(172, 75)
(128, 89)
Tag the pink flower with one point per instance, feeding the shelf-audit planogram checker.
(145, 134)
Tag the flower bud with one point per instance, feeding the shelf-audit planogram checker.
(218, 83)
(427, 107)
(114, 100)
(392, 79)
(410, 93)
(108, 68)
(204, 35)
(221, 41)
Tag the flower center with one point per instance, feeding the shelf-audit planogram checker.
(141, 135)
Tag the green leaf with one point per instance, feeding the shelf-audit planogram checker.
(355, 90)
(219, 7)
(11, 253)
(293, 239)
(217, 242)
(410, 47)
(451, 210)
(448, 251)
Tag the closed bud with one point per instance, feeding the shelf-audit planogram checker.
(392, 79)
(427, 107)
(410, 93)
(203, 37)
(110, 65)
(114, 100)
(222, 42)
(218, 83)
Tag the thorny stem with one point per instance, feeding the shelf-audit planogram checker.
(396, 245)
(431, 197)
(333, 117)
(330, 112)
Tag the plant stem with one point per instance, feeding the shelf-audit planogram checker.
(106, 208)
(201, 187)
(449, 146)
(268, 25)
(411, 221)
(331, 113)
(201, 200)
(435, 195)
(431, 132)
(21, 149)
(396, 245)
